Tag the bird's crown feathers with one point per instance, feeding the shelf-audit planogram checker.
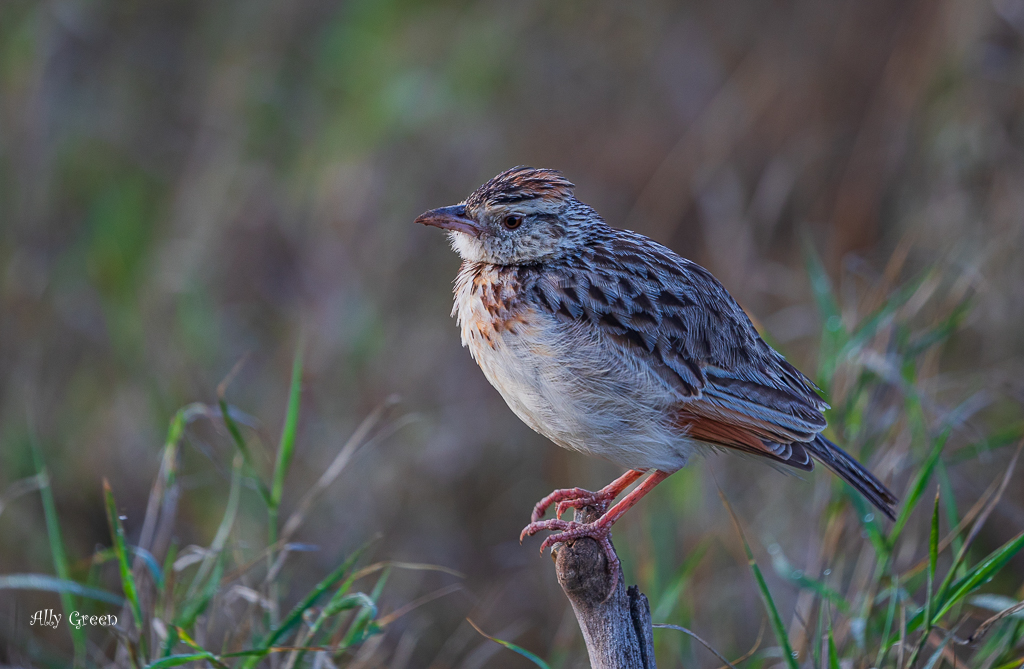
(522, 183)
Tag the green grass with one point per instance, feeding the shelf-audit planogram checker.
(164, 606)
(57, 551)
(896, 615)
(788, 654)
(917, 603)
(131, 589)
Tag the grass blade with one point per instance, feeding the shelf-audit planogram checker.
(868, 520)
(200, 595)
(890, 615)
(975, 578)
(766, 595)
(511, 646)
(239, 441)
(833, 656)
(979, 522)
(929, 604)
(698, 639)
(405, 609)
(933, 660)
(121, 551)
(670, 598)
(833, 336)
(57, 551)
(360, 439)
(784, 569)
(982, 573)
(178, 660)
(773, 611)
(1016, 609)
(151, 564)
(941, 331)
(286, 447)
(53, 584)
(873, 323)
(1000, 438)
(223, 530)
(1013, 664)
(285, 452)
(997, 604)
(363, 625)
(236, 433)
(197, 603)
(295, 615)
(952, 516)
(19, 488)
(339, 600)
(919, 485)
(933, 548)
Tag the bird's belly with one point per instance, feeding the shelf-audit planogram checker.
(567, 386)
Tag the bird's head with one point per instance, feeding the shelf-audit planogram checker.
(522, 216)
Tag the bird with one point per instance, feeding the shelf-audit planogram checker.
(610, 344)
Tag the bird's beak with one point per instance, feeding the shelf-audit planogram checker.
(450, 218)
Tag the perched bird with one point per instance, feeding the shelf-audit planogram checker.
(610, 344)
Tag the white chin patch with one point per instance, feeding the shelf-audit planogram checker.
(467, 246)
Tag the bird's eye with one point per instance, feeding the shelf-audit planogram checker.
(512, 222)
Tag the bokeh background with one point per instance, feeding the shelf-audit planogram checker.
(185, 184)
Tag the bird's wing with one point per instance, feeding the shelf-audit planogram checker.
(733, 389)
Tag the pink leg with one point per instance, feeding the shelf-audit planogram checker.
(578, 497)
(600, 529)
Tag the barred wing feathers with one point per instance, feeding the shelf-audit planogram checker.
(732, 389)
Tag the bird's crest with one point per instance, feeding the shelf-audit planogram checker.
(522, 183)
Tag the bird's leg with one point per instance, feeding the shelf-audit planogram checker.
(600, 529)
(578, 497)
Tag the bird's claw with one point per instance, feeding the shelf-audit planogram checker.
(570, 498)
(541, 525)
(570, 531)
(590, 499)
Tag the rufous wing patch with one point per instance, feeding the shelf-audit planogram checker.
(741, 438)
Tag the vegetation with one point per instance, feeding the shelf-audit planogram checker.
(185, 184)
(914, 598)
(193, 593)
(906, 603)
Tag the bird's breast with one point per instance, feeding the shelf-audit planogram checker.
(561, 379)
(512, 340)
(489, 306)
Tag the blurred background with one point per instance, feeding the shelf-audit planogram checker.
(185, 184)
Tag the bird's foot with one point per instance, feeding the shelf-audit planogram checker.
(599, 531)
(572, 498)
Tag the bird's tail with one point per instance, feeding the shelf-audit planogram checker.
(854, 473)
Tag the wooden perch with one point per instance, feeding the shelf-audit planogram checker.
(617, 630)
